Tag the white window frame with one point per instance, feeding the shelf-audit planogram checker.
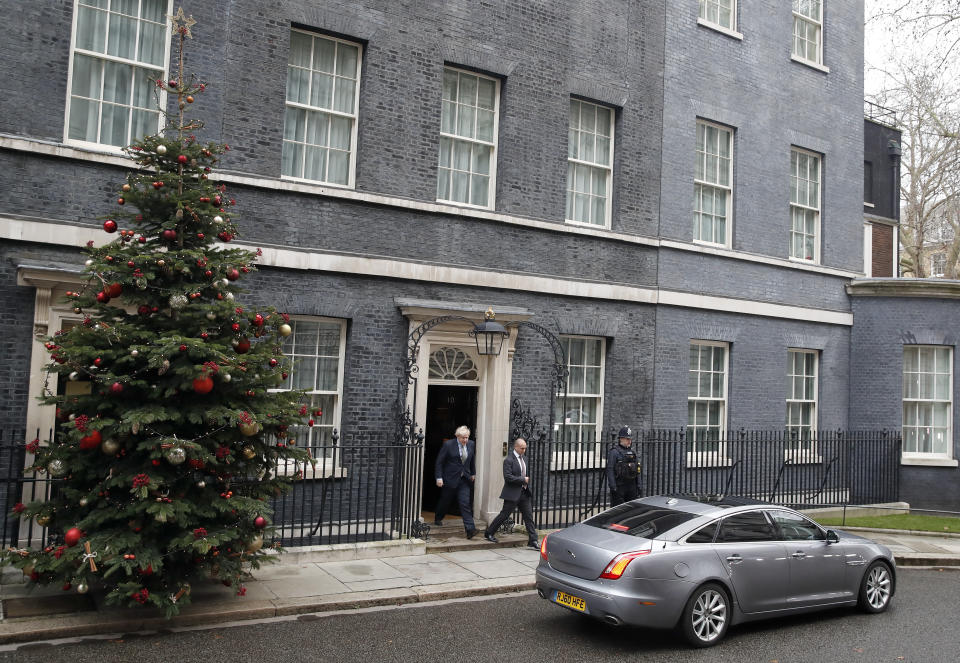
(938, 259)
(703, 185)
(703, 17)
(161, 98)
(444, 172)
(806, 447)
(806, 207)
(917, 401)
(807, 14)
(353, 115)
(696, 457)
(574, 459)
(607, 168)
(322, 467)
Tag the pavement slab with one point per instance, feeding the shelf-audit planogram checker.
(498, 568)
(360, 570)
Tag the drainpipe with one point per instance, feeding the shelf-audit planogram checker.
(894, 151)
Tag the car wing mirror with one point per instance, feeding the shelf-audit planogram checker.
(832, 537)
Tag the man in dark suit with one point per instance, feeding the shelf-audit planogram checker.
(455, 472)
(515, 493)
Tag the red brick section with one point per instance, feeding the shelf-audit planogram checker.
(882, 250)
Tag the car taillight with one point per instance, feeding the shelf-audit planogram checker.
(618, 564)
(543, 547)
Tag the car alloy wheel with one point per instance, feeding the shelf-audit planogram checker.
(706, 616)
(876, 588)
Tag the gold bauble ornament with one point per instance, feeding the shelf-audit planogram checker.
(249, 452)
(285, 329)
(255, 545)
(28, 569)
(43, 519)
(110, 447)
(250, 429)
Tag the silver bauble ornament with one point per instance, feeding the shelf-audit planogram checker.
(201, 484)
(226, 377)
(88, 263)
(82, 588)
(218, 219)
(56, 468)
(178, 301)
(175, 455)
(134, 352)
(161, 149)
(211, 315)
(84, 501)
(229, 295)
(74, 376)
(110, 447)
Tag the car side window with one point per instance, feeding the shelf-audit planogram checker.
(794, 527)
(747, 526)
(704, 534)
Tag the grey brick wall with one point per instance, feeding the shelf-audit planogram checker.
(884, 326)
(757, 379)
(772, 103)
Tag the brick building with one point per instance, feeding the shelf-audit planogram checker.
(672, 189)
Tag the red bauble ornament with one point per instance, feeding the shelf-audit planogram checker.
(310, 422)
(114, 290)
(143, 309)
(258, 320)
(233, 274)
(142, 239)
(91, 441)
(224, 236)
(110, 225)
(182, 158)
(72, 536)
(235, 326)
(158, 184)
(203, 385)
(120, 201)
(172, 83)
(259, 522)
(97, 361)
(103, 297)
(116, 387)
(183, 348)
(169, 234)
(273, 362)
(242, 345)
(204, 335)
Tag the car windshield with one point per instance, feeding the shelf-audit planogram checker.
(640, 520)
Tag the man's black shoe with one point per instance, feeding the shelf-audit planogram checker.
(490, 537)
(438, 523)
(534, 544)
(471, 533)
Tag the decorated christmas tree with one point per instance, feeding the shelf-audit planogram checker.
(165, 469)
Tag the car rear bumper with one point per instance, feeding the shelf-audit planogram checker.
(635, 602)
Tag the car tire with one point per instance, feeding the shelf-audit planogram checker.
(706, 616)
(876, 588)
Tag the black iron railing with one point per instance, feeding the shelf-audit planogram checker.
(825, 467)
(360, 489)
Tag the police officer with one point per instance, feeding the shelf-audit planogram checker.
(623, 469)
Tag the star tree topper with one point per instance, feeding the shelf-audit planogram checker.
(182, 23)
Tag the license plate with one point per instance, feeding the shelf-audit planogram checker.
(574, 602)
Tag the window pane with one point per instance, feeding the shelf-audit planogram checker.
(91, 29)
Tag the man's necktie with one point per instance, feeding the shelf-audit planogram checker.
(463, 453)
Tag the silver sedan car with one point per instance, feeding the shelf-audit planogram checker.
(700, 564)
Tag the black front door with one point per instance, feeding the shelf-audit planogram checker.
(448, 408)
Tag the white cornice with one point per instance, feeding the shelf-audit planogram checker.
(902, 287)
(274, 184)
(318, 261)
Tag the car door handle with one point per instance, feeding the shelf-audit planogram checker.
(735, 559)
(799, 555)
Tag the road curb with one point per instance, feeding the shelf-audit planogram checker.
(29, 629)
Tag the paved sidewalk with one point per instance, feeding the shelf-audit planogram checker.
(323, 580)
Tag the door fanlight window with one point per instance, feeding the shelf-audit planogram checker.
(452, 364)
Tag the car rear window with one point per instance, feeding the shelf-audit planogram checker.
(640, 520)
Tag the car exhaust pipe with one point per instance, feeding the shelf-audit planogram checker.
(613, 621)
(540, 593)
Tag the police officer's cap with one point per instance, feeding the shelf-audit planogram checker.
(626, 432)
